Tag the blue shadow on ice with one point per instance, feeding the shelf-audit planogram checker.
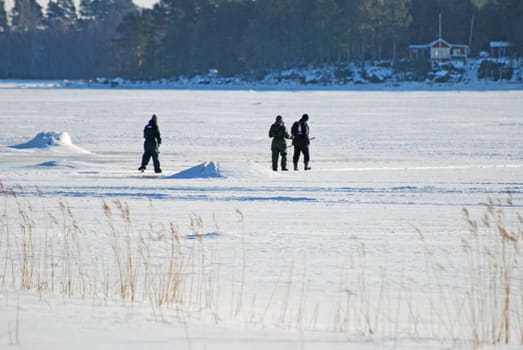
(203, 235)
(54, 163)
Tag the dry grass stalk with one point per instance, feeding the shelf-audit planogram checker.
(494, 271)
(165, 269)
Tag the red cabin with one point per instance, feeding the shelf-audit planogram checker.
(439, 51)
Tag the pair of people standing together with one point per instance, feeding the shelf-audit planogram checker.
(300, 140)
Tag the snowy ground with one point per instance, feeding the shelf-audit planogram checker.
(366, 251)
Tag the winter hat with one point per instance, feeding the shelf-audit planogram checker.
(154, 118)
(305, 117)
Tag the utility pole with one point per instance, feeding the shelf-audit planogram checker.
(439, 32)
(439, 42)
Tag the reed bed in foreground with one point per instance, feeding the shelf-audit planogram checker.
(48, 251)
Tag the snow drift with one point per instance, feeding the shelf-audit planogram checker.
(227, 169)
(202, 170)
(49, 139)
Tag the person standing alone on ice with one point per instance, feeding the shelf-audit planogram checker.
(301, 141)
(279, 133)
(151, 134)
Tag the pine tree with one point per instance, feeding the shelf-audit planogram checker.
(179, 19)
(394, 22)
(423, 28)
(103, 9)
(345, 23)
(61, 14)
(272, 38)
(26, 15)
(4, 25)
(137, 38)
(220, 30)
(512, 13)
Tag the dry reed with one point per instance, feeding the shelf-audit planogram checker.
(160, 266)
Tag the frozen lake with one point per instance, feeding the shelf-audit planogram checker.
(416, 154)
(391, 175)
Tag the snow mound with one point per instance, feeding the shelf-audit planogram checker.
(227, 169)
(202, 170)
(48, 139)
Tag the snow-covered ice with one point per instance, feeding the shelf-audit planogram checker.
(365, 251)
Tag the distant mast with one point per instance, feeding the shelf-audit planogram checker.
(471, 30)
(439, 43)
(439, 27)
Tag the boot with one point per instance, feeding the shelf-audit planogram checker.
(307, 167)
(295, 166)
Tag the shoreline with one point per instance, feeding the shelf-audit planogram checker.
(118, 84)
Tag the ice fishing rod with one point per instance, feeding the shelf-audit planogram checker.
(312, 138)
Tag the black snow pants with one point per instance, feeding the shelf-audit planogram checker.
(298, 149)
(279, 148)
(151, 150)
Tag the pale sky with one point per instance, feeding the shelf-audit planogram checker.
(142, 3)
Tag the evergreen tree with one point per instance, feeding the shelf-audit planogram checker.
(329, 38)
(501, 20)
(456, 16)
(179, 18)
(4, 24)
(345, 24)
(96, 9)
(60, 14)
(26, 15)
(183, 37)
(271, 40)
(512, 13)
(98, 22)
(424, 26)
(368, 28)
(137, 44)
(394, 22)
(108, 13)
(317, 30)
(219, 32)
(5, 42)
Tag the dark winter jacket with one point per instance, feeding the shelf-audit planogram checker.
(279, 133)
(300, 131)
(151, 133)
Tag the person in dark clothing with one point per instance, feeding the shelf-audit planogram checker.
(151, 134)
(279, 133)
(301, 141)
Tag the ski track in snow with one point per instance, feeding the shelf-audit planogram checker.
(395, 195)
(215, 185)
